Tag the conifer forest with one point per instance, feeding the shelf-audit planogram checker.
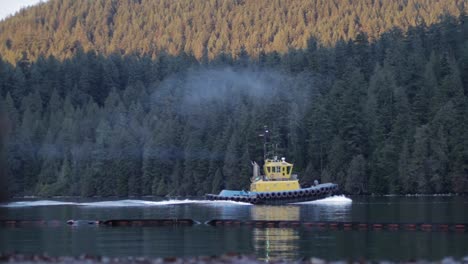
(141, 97)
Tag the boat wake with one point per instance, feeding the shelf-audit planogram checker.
(134, 203)
(143, 203)
(119, 203)
(36, 203)
(336, 200)
(224, 203)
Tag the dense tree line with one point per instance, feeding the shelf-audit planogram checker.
(388, 116)
(206, 28)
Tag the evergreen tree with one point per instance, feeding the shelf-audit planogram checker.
(419, 168)
(232, 169)
(218, 182)
(356, 176)
(408, 183)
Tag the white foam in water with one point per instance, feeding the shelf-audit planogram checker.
(333, 200)
(135, 203)
(120, 203)
(36, 203)
(224, 203)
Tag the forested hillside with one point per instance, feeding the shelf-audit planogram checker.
(206, 28)
(383, 112)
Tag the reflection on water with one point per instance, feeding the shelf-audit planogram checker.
(284, 243)
(276, 243)
(275, 213)
(336, 208)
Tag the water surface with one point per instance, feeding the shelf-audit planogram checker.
(265, 243)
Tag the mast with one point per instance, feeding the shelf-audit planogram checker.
(266, 139)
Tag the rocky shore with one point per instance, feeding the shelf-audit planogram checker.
(227, 258)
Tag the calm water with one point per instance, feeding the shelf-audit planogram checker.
(265, 243)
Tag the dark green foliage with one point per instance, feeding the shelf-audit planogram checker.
(383, 112)
(232, 164)
(217, 184)
(356, 177)
(421, 163)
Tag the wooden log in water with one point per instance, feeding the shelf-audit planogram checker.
(149, 222)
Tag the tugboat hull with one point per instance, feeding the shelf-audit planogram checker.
(278, 197)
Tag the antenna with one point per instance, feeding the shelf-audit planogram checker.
(266, 136)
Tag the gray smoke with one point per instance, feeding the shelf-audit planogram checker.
(201, 86)
(222, 84)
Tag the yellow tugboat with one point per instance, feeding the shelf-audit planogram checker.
(276, 186)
